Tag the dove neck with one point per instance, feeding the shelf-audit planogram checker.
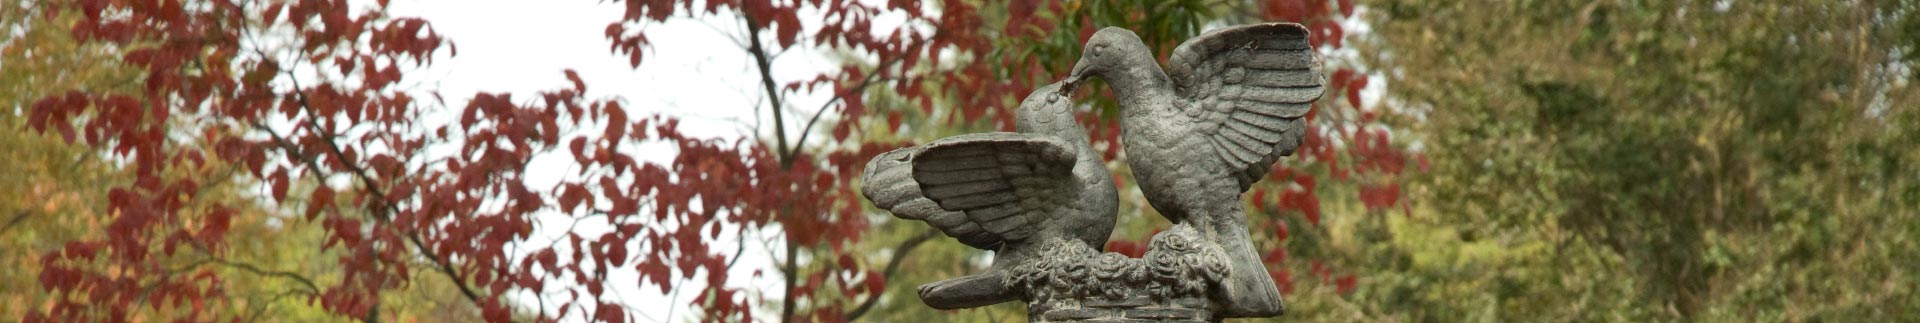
(1142, 89)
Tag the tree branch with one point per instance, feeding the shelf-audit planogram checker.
(761, 58)
(856, 90)
(311, 287)
(17, 218)
(893, 266)
(445, 267)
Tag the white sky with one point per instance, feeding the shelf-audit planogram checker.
(694, 70)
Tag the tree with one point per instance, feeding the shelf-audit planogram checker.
(299, 96)
(60, 184)
(1621, 160)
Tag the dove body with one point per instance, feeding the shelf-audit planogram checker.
(1199, 133)
(1004, 192)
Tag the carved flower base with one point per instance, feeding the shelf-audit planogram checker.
(1071, 282)
(1136, 309)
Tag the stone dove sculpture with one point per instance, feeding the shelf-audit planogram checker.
(1229, 104)
(1005, 192)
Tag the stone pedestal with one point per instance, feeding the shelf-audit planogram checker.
(1136, 309)
(1072, 282)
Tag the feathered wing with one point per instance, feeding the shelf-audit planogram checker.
(890, 185)
(983, 189)
(1249, 89)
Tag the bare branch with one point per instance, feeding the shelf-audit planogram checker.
(765, 62)
(17, 218)
(899, 254)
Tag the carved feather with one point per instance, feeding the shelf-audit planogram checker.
(1263, 78)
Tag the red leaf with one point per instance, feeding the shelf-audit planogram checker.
(569, 198)
(1284, 278)
(579, 146)
(616, 122)
(66, 131)
(617, 253)
(1287, 10)
(547, 260)
(841, 131)
(893, 121)
(279, 181)
(1341, 77)
(578, 85)
(321, 199)
(1259, 199)
(1346, 284)
(272, 13)
(875, 284)
(217, 223)
(789, 28)
(1353, 90)
(609, 312)
(1379, 196)
(1275, 256)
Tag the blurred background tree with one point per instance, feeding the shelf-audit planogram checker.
(1724, 161)
(54, 191)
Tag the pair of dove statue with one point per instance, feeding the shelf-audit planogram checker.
(1197, 134)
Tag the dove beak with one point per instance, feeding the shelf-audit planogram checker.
(1074, 78)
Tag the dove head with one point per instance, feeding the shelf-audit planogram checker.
(1043, 112)
(1111, 50)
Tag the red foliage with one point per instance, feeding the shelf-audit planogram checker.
(462, 212)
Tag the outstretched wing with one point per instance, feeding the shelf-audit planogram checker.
(1249, 88)
(890, 185)
(983, 189)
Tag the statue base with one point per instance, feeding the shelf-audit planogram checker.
(1074, 283)
(1136, 309)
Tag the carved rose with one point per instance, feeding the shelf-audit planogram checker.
(1178, 263)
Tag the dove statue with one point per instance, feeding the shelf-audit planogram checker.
(1229, 104)
(1006, 192)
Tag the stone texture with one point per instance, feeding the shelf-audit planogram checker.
(1001, 191)
(1081, 310)
(1199, 133)
(1071, 282)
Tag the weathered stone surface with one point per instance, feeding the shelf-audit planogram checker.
(1210, 125)
(1199, 133)
(1004, 192)
(1071, 282)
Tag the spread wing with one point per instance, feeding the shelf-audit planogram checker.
(890, 185)
(1249, 88)
(983, 189)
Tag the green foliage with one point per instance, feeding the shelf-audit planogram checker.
(1626, 161)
